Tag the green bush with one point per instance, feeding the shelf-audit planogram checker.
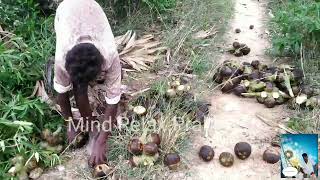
(295, 23)
(123, 8)
(160, 5)
(22, 57)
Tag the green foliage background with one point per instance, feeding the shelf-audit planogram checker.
(296, 23)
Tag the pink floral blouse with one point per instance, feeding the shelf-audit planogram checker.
(79, 21)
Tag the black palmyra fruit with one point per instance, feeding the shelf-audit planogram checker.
(236, 45)
(172, 160)
(135, 146)
(150, 149)
(226, 159)
(271, 156)
(206, 153)
(239, 90)
(245, 50)
(270, 102)
(242, 150)
(255, 64)
(155, 138)
(101, 170)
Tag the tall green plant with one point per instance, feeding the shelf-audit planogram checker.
(295, 24)
(23, 53)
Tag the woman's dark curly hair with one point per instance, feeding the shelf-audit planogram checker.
(83, 63)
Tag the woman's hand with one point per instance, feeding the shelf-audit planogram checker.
(100, 150)
(100, 146)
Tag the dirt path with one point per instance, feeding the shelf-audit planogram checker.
(234, 119)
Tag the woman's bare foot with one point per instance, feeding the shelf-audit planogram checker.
(92, 139)
(99, 150)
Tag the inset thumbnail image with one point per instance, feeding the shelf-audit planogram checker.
(299, 156)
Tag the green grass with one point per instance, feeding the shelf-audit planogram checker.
(174, 135)
(295, 31)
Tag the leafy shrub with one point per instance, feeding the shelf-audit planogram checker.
(125, 8)
(295, 23)
(22, 57)
(160, 5)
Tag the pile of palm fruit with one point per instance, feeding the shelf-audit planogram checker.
(239, 49)
(177, 95)
(270, 85)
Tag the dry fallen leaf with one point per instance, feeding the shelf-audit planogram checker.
(139, 53)
(205, 34)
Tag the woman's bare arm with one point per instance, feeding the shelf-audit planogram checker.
(64, 103)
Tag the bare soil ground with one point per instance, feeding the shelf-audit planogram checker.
(233, 119)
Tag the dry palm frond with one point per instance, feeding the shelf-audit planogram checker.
(39, 91)
(204, 34)
(138, 53)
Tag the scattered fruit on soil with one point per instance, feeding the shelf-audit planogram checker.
(238, 53)
(236, 45)
(81, 140)
(307, 90)
(46, 133)
(172, 160)
(218, 78)
(245, 50)
(271, 156)
(206, 153)
(295, 90)
(150, 149)
(185, 68)
(155, 138)
(239, 90)
(101, 171)
(143, 160)
(255, 64)
(36, 173)
(200, 116)
(175, 84)
(32, 164)
(260, 99)
(230, 84)
(226, 159)
(171, 93)
(269, 87)
(270, 102)
(297, 74)
(181, 89)
(135, 146)
(242, 150)
(226, 71)
(255, 75)
(140, 110)
(277, 84)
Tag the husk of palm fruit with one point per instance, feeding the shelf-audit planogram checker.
(229, 84)
(255, 75)
(239, 89)
(313, 102)
(277, 84)
(257, 86)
